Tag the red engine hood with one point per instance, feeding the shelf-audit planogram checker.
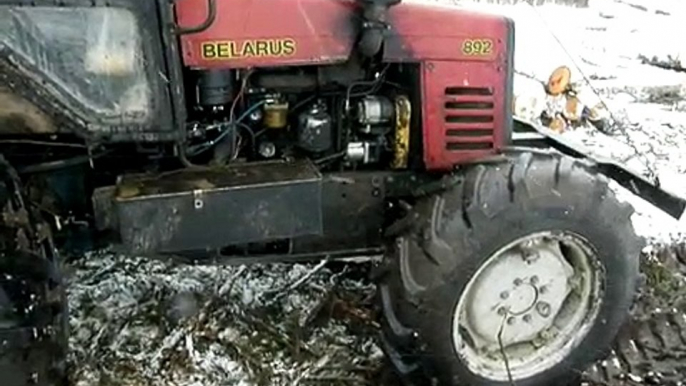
(267, 33)
(295, 32)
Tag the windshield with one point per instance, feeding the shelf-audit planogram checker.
(92, 57)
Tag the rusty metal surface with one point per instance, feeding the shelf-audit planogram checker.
(208, 210)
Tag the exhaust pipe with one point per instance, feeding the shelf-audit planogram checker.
(374, 25)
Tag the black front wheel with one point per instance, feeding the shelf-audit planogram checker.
(522, 274)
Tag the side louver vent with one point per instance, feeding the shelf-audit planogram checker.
(469, 119)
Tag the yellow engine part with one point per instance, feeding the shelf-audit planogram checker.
(276, 115)
(401, 143)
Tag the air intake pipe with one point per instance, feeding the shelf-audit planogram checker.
(374, 25)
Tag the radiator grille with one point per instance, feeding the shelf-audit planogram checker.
(469, 118)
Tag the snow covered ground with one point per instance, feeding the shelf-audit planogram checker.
(140, 322)
(603, 45)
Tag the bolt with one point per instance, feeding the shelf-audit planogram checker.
(511, 320)
(256, 115)
(504, 295)
(518, 282)
(527, 318)
(529, 255)
(539, 342)
(502, 311)
(534, 280)
(543, 289)
(543, 308)
(267, 149)
(546, 335)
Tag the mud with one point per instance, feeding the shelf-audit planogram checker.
(651, 348)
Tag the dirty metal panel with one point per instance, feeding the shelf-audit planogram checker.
(353, 212)
(210, 209)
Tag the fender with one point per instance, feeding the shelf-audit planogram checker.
(530, 134)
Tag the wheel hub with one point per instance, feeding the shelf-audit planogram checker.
(522, 299)
(529, 299)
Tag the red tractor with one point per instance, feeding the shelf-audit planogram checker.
(249, 131)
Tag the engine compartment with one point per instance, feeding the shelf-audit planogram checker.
(342, 117)
(345, 101)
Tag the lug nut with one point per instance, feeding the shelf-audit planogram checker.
(527, 318)
(504, 295)
(518, 282)
(534, 280)
(528, 255)
(511, 321)
(543, 308)
(543, 289)
(502, 311)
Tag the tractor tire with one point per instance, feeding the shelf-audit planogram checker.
(523, 273)
(33, 311)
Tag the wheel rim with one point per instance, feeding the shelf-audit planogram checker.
(528, 306)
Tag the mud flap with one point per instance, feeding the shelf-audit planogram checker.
(534, 135)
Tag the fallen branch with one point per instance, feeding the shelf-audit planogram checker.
(641, 7)
(283, 291)
(669, 64)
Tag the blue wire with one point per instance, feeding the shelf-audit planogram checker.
(222, 135)
(245, 114)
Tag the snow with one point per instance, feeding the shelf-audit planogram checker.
(138, 321)
(146, 322)
(602, 45)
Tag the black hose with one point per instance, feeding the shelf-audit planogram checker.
(211, 17)
(59, 164)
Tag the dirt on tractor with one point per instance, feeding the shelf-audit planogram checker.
(339, 193)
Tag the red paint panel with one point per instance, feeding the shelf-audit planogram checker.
(476, 127)
(437, 32)
(466, 98)
(322, 32)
